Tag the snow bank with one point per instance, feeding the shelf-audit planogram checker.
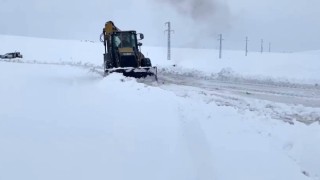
(300, 67)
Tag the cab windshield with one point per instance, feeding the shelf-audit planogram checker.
(124, 40)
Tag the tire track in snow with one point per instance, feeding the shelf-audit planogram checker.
(198, 146)
(306, 95)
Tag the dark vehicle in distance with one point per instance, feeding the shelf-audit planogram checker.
(11, 55)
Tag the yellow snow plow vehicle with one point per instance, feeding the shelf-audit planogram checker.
(122, 53)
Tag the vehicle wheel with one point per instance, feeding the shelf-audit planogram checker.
(107, 63)
(146, 62)
(117, 61)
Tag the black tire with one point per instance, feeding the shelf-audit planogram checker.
(107, 61)
(146, 62)
(117, 63)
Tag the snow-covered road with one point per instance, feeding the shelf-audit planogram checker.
(280, 100)
(304, 94)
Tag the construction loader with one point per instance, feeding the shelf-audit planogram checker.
(122, 53)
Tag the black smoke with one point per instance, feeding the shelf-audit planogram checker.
(196, 9)
(209, 17)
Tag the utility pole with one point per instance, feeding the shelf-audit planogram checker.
(247, 46)
(220, 47)
(269, 46)
(261, 46)
(169, 39)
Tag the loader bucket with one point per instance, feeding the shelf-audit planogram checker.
(140, 72)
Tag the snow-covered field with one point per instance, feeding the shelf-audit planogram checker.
(300, 67)
(59, 119)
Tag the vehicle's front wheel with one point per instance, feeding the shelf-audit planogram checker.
(146, 62)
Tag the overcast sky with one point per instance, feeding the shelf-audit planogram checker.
(289, 25)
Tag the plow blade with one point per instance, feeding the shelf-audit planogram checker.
(140, 72)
